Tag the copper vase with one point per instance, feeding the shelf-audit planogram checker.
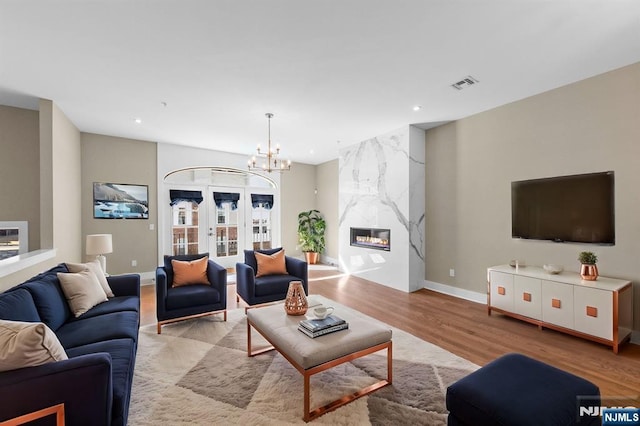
(296, 301)
(589, 272)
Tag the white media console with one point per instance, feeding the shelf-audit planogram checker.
(600, 310)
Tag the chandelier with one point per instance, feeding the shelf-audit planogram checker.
(269, 161)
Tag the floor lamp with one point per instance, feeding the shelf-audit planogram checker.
(98, 245)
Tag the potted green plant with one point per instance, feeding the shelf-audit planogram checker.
(311, 228)
(588, 268)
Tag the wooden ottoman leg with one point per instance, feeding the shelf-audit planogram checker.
(307, 397)
(390, 363)
(346, 398)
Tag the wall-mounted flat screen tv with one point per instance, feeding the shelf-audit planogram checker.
(577, 208)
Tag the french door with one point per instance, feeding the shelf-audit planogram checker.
(222, 220)
(239, 219)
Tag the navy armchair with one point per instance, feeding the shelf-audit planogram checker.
(269, 288)
(177, 303)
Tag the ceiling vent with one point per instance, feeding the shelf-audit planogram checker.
(465, 82)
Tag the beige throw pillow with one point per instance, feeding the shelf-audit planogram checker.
(187, 273)
(82, 290)
(27, 344)
(93, 266)
(271, 264)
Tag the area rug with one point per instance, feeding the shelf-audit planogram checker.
(197, 373)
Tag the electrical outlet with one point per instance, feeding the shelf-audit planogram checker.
(152, 227)
(134, 263)
(452, 272)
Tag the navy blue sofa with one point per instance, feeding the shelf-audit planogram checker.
(95, 382)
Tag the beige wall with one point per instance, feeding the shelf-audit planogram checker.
(588, 126)
(308, 187)
(46, 173)
(327, 203)
(118, 160)
(441, 204)
(58, 190)
(20, 169)
(297, 192)
(66, 180)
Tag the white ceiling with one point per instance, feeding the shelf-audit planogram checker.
(334, 72)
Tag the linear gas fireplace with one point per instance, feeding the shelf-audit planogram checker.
(379, 239)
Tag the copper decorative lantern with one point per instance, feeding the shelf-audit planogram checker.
(296, 301)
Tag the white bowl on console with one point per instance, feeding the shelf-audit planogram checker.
(553, 269)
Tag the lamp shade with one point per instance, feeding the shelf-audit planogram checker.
(99, 244)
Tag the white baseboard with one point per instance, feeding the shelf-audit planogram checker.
(635, 337)
(147, 278)
(328, 260)
(461, 293)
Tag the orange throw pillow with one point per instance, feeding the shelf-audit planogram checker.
(271, 264)
(187, 273)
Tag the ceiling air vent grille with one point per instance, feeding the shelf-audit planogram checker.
(465, 82)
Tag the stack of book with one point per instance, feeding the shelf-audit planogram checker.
(318, 327)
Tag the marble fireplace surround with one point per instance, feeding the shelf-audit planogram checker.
(381, 183)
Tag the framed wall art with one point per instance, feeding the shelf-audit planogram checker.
(120, 201)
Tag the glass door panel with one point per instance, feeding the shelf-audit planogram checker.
(226, 231)
(261, 227)
(227, 226)
(184, 228)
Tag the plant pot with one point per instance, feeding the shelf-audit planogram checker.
(589, 272)
(311, 257)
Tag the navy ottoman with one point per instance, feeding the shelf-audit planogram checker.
(520, 391)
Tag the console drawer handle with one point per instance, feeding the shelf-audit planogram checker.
(526, 297)
(501, 290)
(592, 311)
(555, 303)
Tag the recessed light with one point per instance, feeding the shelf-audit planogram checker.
(417, 107)
(138, 120)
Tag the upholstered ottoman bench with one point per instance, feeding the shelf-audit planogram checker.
(517, 390)
(309, 356)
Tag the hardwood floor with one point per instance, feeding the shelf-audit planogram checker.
(465, 329)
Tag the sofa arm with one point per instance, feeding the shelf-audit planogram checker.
(82, 383)
(161, 292)
(298, 268)
(125, 285)
(217, 276)
(245, 282)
